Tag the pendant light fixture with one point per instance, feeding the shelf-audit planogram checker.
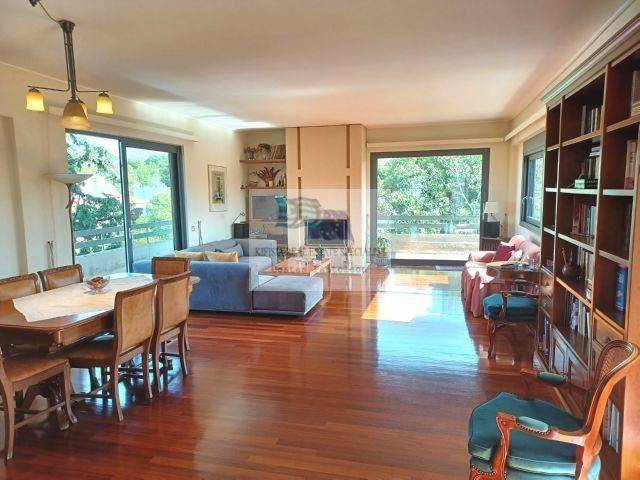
(75, 115)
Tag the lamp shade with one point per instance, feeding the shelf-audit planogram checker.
(35, 100)
(104, 104)
(74, 116)
(491, 207)
(69, 178)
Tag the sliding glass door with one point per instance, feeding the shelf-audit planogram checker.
(130, 208)
(425, 206)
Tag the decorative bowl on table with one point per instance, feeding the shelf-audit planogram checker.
(97, 284)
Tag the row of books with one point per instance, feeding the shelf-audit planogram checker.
(578, 315)
(630, 164)
(611, 426)
(545, 336)
(635, 93)
(590, 120)
(590, 169)
(586, 262)
(277, 152)
(584, 219)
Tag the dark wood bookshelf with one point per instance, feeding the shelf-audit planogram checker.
(607, 87)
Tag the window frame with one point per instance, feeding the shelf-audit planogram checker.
(527, 189)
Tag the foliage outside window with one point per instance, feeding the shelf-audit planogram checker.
(532, 185)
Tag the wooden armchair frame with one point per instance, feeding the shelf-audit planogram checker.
(502, 320)
(46, 276)
(613, 365)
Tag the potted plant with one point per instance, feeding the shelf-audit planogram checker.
(320, 253)
(381, 257)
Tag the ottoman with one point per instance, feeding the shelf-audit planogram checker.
(288, 295)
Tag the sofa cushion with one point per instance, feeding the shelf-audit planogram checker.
(512, 474)
(526, 452)
(504, 252)
(212, 246)
(257, 264)
(288, 294)
(230, 257)
(195, 256)
(236, 248)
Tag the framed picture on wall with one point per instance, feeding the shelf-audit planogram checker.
(217, 188)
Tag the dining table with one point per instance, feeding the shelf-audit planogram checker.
(56, 319)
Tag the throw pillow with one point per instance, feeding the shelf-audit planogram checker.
(231, 257)
(504, 252)
(236, 248)
(194, 256)
(516, 256)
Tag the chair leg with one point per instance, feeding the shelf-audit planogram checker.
(182, 349)
(186, 337)
(145, 373)
(9, 425)
(115, 393)
(93, 380)
(66, 393)
(492, 339)
(155, 361)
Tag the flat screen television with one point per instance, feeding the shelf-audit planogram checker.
(267, 206)
(326, 232)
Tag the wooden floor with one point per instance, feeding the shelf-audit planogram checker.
(376, 383)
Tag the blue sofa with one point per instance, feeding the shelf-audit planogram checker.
(237, 287)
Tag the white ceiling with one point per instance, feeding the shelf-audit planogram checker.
(311, 62)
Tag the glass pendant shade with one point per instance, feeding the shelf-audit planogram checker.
(104, 104)
(74, 116)
(35, 100)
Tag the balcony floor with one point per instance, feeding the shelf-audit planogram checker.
(432, 247)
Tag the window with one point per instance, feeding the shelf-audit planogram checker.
(130, 208)
(532, 183)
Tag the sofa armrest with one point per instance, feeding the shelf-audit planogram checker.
(259, 247)
(223, 286)
(482, 257)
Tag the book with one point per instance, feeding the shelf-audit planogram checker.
(622, 274)
(635, 94)
(630, 164)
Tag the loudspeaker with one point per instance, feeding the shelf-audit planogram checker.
(490, 229)
(241, 230)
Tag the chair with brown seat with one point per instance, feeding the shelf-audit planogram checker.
(169, 265)
(20, 286)
(533, 439)
(172, 312)
(18, 373)
(133, 330)
(61, 276)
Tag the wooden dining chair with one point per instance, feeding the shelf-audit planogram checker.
(533, 439)
(172, 313)
(20, 372)
(169, 265)
(20, 286)
(61, 276)
(133, 330)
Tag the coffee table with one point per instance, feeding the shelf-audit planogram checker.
(300, 267)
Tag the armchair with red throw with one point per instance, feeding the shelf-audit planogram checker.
(476, 284)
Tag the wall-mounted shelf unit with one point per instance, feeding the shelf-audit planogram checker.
(578, 316)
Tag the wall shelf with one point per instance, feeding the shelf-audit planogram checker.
(259, 162)
(263, 188)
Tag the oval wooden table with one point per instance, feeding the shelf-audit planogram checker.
(59, 332)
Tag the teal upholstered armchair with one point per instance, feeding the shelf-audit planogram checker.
(516, 439)
(513, 307)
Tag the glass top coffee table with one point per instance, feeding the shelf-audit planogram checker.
(300, 267)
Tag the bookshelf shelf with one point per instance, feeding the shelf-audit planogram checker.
(553, 147)
(578, 241)
(580, 344)
(630, 122)
(575, 288)
(548, 230)
(582, 138)
(613, 317)
(620, 260)
(262, 162)
(618, 192)
(580, 191)
(551, 190)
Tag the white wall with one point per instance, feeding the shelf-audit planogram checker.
(32, 144)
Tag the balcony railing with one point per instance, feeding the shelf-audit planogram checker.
(108, 238)
(430, 224)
